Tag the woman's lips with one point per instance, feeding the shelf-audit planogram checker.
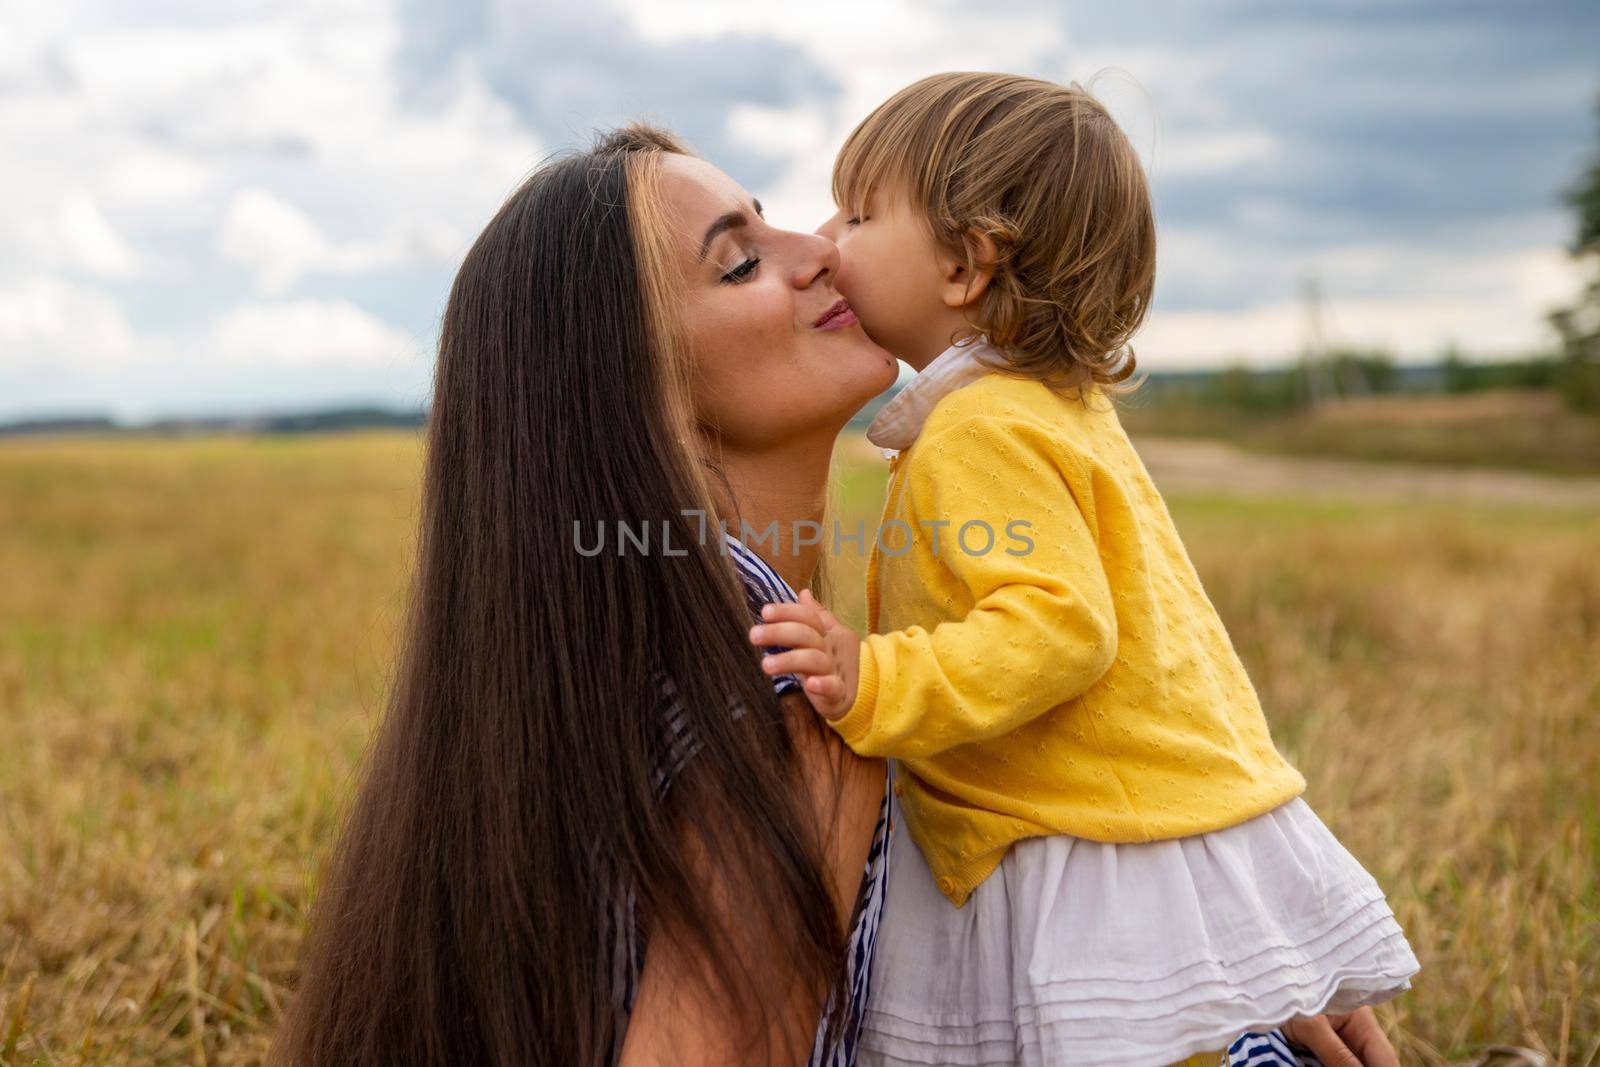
(836, 317)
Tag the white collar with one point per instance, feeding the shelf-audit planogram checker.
(898, 422)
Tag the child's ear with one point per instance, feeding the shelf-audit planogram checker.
(964, 285)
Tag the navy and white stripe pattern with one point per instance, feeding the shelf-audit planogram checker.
(625, 946)
(858, 953)
(1269, 1050)
(762, 585)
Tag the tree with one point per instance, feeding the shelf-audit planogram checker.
(1454, 372)
(1358, 371)
(1579, 325)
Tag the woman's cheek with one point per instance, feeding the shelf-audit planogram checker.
(772, 310)
(743, 312)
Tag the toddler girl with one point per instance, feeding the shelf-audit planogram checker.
(1115, 863)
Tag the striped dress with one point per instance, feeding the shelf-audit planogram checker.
(625, 941)
(1269, 1049)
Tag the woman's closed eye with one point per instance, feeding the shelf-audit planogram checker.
(743, 272)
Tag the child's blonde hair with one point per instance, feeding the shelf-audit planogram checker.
(1042, 170)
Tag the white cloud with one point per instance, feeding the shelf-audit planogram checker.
(66, 346)
(800, 199)
(776, 131)
(1545, 278)
(1211, 152)
(280, 243)
(48, 322)
(146, 175)
(1411, 328)
(302, 333)
(276, 240)
(270, 136)
(162, 128)
(82, 238)
(1490, 299)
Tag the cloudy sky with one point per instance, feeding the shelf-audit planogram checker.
(247, 205)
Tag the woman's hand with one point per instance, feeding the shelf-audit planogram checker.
(1354, 1040)
(823, 651)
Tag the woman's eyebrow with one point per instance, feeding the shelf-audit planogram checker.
(726, 221)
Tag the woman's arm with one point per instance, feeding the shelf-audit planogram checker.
(675, 1022)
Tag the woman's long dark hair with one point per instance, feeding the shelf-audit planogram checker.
(511, 782)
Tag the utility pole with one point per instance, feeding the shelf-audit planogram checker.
(1313, 352)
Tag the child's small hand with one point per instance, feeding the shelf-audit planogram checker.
(824, 652)
(1354, 1040)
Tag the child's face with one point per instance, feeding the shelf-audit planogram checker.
(894, 275)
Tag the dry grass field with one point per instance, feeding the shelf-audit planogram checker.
(1530, 429)
(194, 636)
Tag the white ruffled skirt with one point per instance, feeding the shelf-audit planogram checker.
(1078, 953)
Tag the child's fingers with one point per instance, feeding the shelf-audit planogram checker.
(829, 621)
(826, 693)
(799, 661)
(788, 611)
(789, 634)
(830, 686)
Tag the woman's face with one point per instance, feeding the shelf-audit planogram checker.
(776, 350)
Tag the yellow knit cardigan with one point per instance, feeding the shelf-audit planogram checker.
(1080, 685)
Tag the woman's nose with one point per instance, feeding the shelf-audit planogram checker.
(818, 259)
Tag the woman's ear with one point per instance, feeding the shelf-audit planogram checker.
(965, 285)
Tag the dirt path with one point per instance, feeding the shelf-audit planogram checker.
(1194, 464)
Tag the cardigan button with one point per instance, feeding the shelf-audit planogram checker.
(899, 788)
(947, 885)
